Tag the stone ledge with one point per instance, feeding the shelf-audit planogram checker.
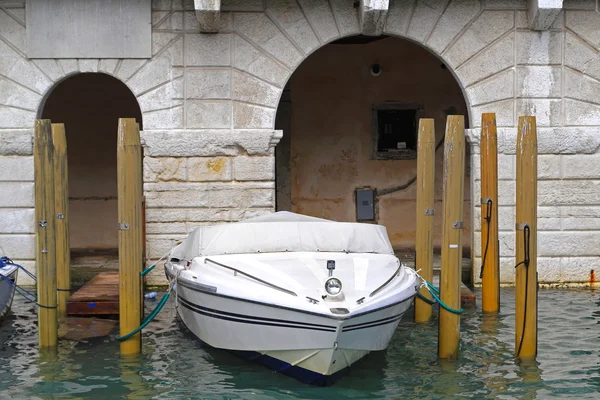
(16, 142)
(373, 14)
(542, 13)
(207, 143)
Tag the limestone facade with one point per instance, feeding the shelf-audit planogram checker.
(209, 102)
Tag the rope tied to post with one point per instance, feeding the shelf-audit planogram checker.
(525, 262)
(435, 293)
(488, 218)
(26, 294)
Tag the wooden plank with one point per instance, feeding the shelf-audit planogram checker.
(74, 328)
(100, 296)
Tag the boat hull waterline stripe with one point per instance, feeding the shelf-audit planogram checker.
(195, 308)
(364, 324)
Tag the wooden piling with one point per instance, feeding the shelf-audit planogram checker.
(425, 206)
(129, 181)
(43, 151)
(450, 282)
(526, 240)
(490, 268)
(61, 209)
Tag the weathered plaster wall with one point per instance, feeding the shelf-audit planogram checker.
(331, 146)
(209, 103)
(90, 106)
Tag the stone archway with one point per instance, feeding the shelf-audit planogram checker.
(332, 144)
(90, 104)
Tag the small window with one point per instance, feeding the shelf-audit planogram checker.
(395, 131)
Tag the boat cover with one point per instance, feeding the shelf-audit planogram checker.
(284, 231)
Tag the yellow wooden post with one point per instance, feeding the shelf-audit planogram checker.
(526, 240)
(425, 204)
(129, 181)
(45, 239)
(450, 282)
(61, 208)
(490, 268)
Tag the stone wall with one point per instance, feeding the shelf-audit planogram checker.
(209, 103)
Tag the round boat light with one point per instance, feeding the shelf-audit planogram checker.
(333, 286)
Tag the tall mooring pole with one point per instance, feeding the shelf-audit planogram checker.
(61, 209)
(43, 152)
(129, 181)
(425, 206)
(526, 241)
(454, 176)
(490, 268)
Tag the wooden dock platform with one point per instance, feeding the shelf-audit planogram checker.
(100, 296)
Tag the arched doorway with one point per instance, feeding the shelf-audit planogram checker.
(349, 114)
(90, 104)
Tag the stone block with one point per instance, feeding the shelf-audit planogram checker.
(14, 95)
(90, 65)
(539, 47)
(506, 192)
(162, 97)
(209, 143)
(264, 33)
(16, 142)
(321, 19)
(488, 27)
(27, 74)
(568, 192)
(542, 13)
(507, 244)
(581, 166)
(568, 244)
(127, 68)
(12, 31)
(372, 16)
(453, 21)
(208, 83)
(581, 87)
(242, 5)
(211, 215)
(205, 169)
(17, 194)
(549, 166)
(581, 218)
(248, 116)
(578, 113)
(253, 61)
(488, 62)
(246, 88)
(422, 22)
(156, 73)
(14, 168)
(208, 114)
(547, 112)
(585, 24)
(505, 4)
(399, 15)
(24, 279)
(346, 16)
(568, 140)
(506, 167)
(504, 110)
(581, 56)
(207, 50)
(11, 118)
(159, 245)
(538, 81)
(17, 246)
(497, 87)
(164, 169)
(289, 16)
(17, 220)
(171, 118)
(254, 168)
(108, 65)
(579, 5)
(549, 219)
(578, 269)
(52, 69)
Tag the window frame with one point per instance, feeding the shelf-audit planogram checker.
(403, 154)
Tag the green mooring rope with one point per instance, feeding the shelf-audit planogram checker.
(435, 292)
(148, 319)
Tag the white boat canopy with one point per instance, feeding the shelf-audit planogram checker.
(284, 231)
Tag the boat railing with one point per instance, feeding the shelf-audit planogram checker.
(235, 270)
(384, 284)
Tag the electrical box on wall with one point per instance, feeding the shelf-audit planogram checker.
(365, 204)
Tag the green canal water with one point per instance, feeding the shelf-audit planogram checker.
(175, 366)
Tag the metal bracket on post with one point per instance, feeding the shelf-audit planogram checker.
(123, 226)
(484, 200)
(43, 224)
(60, 216)
(457, 225)
(520, 227)
(429, 211)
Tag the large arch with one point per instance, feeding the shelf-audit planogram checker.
(90, 104)
(329, 147)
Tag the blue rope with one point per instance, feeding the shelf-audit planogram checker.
(30, 297)
(5, 261)
(435, 292)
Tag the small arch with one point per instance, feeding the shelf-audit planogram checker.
(90, 104)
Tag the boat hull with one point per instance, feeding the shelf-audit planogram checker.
(7, 289)
(310, 347)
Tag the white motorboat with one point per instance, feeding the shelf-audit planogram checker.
(8, 279)
(305, 296)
